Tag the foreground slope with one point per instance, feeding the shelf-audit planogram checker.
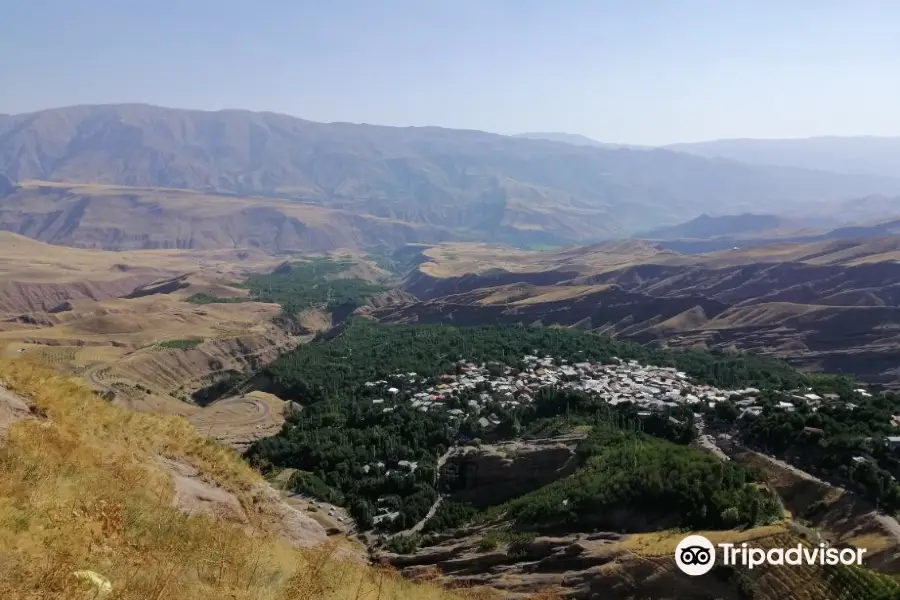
(470, 180)
(58, 443)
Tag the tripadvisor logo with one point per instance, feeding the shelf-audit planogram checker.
(696, 555)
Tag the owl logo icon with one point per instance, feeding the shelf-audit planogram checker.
(695, 555)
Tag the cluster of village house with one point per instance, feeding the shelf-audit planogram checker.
(651, 388)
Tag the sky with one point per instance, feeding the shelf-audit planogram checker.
(626, 71)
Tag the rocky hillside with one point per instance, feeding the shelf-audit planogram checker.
(589, 563)
(178, 516)
(524, 189)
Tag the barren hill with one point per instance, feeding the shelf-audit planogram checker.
(830, 305)
(509, 188)
(125, 218)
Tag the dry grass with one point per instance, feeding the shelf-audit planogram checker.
(663, 543)
(26, 260)
(872, 542)
(456, 259)
(80, 489)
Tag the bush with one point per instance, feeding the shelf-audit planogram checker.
(487, 544)
(403, 544)
(310, 485)
(180, 344)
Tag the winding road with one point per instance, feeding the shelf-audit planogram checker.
(417, 528)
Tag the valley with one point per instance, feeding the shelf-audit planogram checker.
(446, 357)
(534, 479)
(449, 301)
(411, 395)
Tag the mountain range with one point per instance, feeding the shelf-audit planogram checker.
(575, 139)
(852, 154)
(872, 155)
(472, 184)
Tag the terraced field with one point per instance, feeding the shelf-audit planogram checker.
(241, 420)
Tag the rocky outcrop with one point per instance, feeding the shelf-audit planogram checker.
(197, 497)
(574, 567)
(13, 408)
(490, 474)
(260, 509)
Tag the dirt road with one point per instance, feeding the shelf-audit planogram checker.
(417, 528)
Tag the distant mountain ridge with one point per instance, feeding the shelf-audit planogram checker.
(868, 155)
(709, 234)
(706, 226)
(481, 185)
(575, 139)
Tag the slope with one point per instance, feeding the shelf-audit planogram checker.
(125, 218)
(241, 542)
(532, 190)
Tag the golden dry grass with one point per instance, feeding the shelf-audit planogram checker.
(663, 543)
(80, 490)
(26, 260)
(456, 259)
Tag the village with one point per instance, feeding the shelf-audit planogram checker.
(472, 390)
(651, 388)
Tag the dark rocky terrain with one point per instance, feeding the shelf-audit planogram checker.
(829, 306)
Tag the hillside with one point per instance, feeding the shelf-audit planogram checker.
(862, 154)
(840, 221)
(530, 191)
(826, 305)
(148, 328)
(177, 516)
(127, 218)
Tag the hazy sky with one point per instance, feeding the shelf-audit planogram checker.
(639, 71)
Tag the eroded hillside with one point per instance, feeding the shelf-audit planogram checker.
(826, 305)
